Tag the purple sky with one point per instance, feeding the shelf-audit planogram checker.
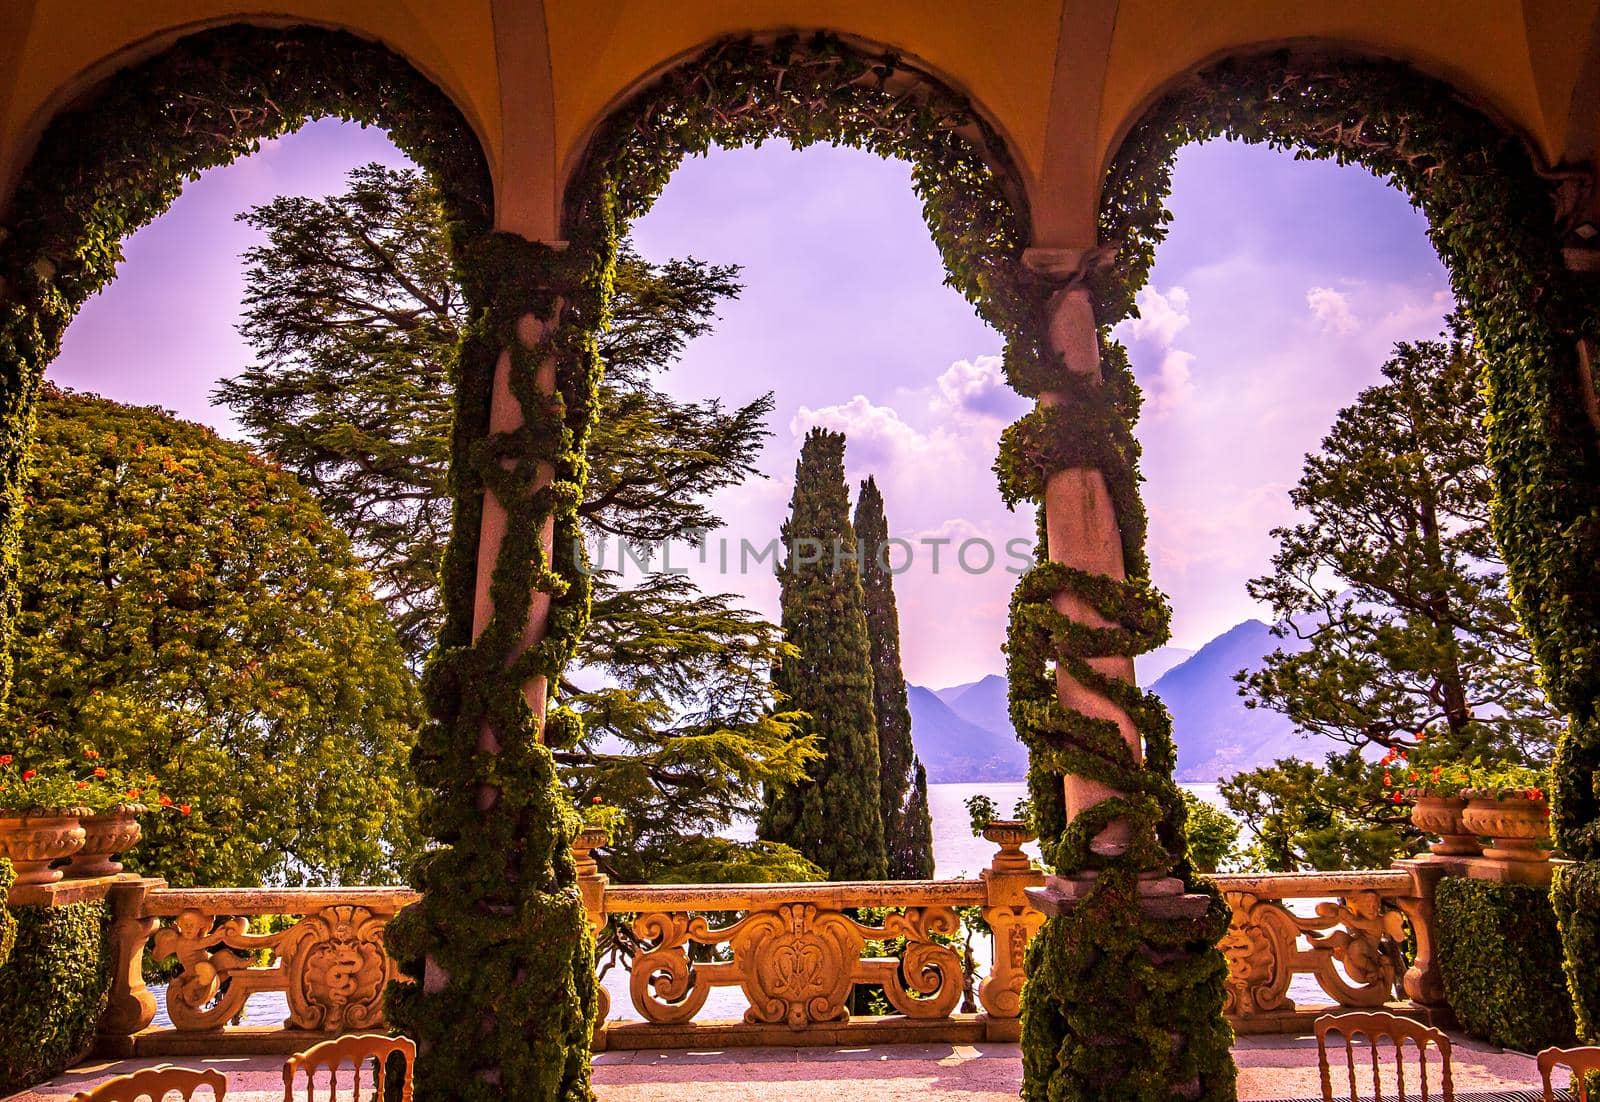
(1275, 299)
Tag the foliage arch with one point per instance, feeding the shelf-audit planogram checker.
(822, 88)
(1499, 220)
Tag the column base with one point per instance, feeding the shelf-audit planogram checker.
(1159, 896)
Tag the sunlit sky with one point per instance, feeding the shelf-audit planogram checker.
(1276, 298)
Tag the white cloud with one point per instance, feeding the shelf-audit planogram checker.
(977, 388)
(862, 420)
(1161, 316)
(1331, 309)
(1171, 386)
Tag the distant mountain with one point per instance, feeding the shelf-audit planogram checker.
(1150, 667)
(949, 695)
(985, 704)
(963, 733)
(955, 750)
(1217, 735)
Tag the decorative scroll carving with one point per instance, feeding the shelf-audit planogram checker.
(331, 965)
(1353, 946)
(1014, 927)
(336, 969)
(798, 964)
(796, 961)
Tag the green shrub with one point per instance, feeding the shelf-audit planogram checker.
(52, 991)
(8, 924)
(1576, 895)
(1500, 955)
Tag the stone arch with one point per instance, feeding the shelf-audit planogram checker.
(1504, 225)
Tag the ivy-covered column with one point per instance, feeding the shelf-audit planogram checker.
(499, 949)
(1124, 998)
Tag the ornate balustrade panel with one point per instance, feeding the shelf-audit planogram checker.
(796, 950)
(1351, 941)
(330, 962)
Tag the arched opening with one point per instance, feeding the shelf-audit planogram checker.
(1499, 222)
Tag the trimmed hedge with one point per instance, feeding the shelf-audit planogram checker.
(1500, 953)
(1576, 895)
(8, 924)
(52, 991)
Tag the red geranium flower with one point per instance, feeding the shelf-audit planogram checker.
(184, 808)
(166, 801)
(29, 774)
(99, 771)
(5, 759)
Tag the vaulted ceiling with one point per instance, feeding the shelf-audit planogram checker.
(1060, 79)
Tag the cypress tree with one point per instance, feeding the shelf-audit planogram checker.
(907, 830)
(911, 850)
(834, 817)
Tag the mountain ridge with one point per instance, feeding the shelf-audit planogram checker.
(967, 727)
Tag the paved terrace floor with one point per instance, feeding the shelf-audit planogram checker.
(1279, 1066)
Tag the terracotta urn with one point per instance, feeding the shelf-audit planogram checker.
(1441, 816)
(1009, 835)
(31, 840)
(1516, 823)
(106, 834)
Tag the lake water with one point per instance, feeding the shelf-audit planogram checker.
(956, 853)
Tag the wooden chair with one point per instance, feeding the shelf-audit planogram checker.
(356, 1050)
(155, 1084)
(1375, 1026)
(1581, 1062)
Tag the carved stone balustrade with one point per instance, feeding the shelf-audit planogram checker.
(795, 956)
(1351, 943)
(330, 963)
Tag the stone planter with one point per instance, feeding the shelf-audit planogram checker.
(1442, 816)
(1009, 835)
(106, 834)
(588, 840)
(34, 838)
(1517, 825)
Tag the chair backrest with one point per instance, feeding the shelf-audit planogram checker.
(155, 1084)
(355, 1050)
(1580, 1061)
(1375, 1026)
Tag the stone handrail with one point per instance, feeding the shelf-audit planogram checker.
(797, 953)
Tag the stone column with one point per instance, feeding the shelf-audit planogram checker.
(505, 415)
(1081, 531)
